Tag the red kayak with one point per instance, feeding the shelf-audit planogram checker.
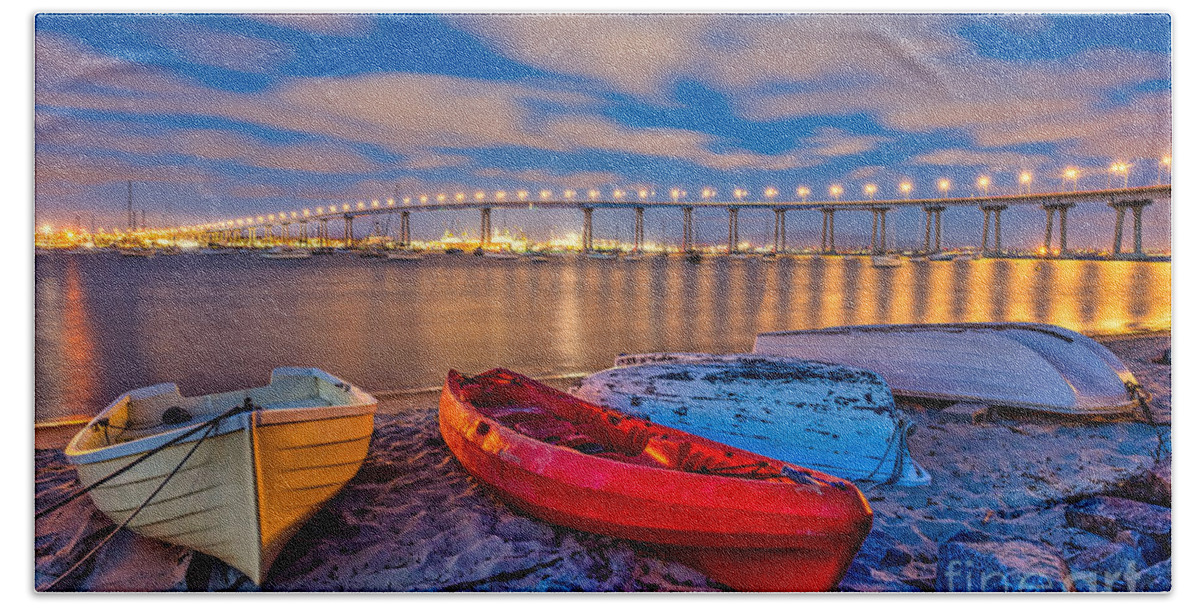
(749, 522)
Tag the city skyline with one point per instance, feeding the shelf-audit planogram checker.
(224, 116)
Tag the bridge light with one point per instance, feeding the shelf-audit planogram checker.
(362, 205)
(305, 213)
(391, 202)
(803, 192)
(375, 204)
(593, 194)
(944, 186)
(707, 193)
(643, 193)
(676, 193)
(522, 195)
(770, 193)
(479, 195)
(441, 197)
(983, 182)
(906, 189)
(270, 217)
(500, 194)
(345, 206)
(407, 200)
(424, 198)
(545, 195)
(1071, 174)
(260, 219)
(293, 215)
(618, 194)
(835, 191)
(1164, 162)
(568, 194)
(1122, 169)
(870, 190)
(459, 196)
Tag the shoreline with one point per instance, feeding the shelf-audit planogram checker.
(413, 520)
(47, 433)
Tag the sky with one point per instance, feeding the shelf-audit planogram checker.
(221, 116)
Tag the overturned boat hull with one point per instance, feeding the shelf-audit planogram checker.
(832, 418)
(1031, 366)
(246, 485)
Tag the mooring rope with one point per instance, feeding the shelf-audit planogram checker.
(210, 426)
(179, 438)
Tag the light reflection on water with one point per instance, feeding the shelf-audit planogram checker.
(106, 324)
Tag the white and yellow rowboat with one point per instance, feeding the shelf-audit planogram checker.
(256, 476)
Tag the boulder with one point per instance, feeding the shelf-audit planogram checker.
(1107, 516)
(1154, 578)
(1152, 486)
(1001, 565)
(967, 412)
(1108, 567)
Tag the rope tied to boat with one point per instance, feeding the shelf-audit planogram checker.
(247, 406)
(209, 428)
(1136, 392)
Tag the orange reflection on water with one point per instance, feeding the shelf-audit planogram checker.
(79, 352)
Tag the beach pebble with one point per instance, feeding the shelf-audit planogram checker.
(1109, 515)
(1005, 565)
(1155, 578)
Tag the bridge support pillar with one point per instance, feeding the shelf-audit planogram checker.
(405, 233)
(733, 231)
(879, 230)
(780, 243)
(287, 233)
(990, 211)
(587, 229)
(638, 228)
(1061, 209)
(348, 230)
(688, 245)
(485, 227)
(1136, 206)
(827, 245)
(933, 215)
(323, 232)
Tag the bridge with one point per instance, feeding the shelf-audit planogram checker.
(1055, 205)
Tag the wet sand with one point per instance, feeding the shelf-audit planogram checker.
(413, 520)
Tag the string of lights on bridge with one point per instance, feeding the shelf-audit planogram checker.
(1069, 176)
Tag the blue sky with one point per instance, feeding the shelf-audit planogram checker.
(223, 116)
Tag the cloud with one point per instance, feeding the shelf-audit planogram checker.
(831, 142)
(913, 71)
(992, 160)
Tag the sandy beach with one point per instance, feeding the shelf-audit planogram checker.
(413, 520)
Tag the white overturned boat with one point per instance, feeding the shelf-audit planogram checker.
(1022, 365)
(832, 418)
(250, 466)
(886, 261)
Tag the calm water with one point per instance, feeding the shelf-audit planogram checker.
(107, 323)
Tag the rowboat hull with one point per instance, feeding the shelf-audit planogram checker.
(721, 525)
(833, 418)
(1030, 366)
(245, 489)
